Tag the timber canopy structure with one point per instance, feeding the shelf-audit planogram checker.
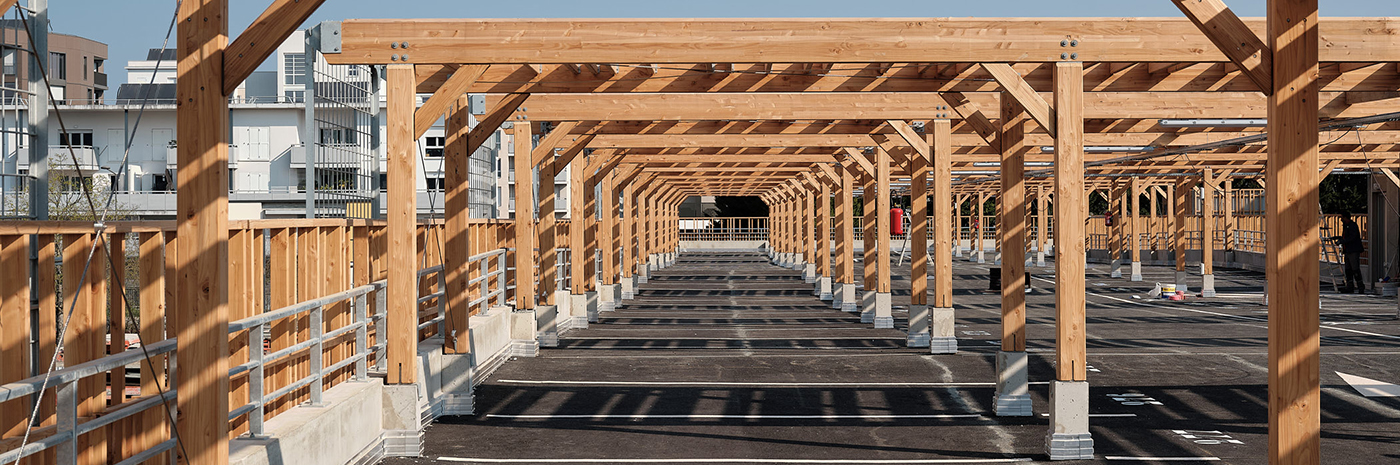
(809, 115)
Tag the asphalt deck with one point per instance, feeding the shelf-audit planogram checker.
(724, 356)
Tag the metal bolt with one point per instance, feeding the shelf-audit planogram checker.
(1064, 56)
(1064, 43)
(394, 57)
(1074, 43)
(393, 45)
(404, 45)
(405, 57)
(1072, 56)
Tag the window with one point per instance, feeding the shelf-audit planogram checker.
(296, 96)
(294, 69)
(75, 139)
(85, 68)
(10, 68)
(58, 65)
(435, 184)
(434, 146)
(337, 136)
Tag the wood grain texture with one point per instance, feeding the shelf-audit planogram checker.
(1070, 342)
(1012, 225)
(943, 214)
(402, 322)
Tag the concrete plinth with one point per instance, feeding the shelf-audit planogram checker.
(918, 326)
(1013, 397)
(1115, 268)
(884, 311)
(1137, 272)
(867, 306)
(943, 339)
(1069, 437)
(653, 263)
(579, 312)
(524, 333)
(809, 273)
(642, 275)
(607, 300)
(848, 298)
(628, 287)
(591, 303)
(1181, 281)
(547, 332)
(1208, 285)
(957, 250)
(981, 256)
(824, 288)
(1040, 259)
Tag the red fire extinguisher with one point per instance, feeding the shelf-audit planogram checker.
(1108, 219)
(897, 221)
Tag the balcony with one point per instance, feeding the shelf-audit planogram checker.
(61, 159)
(99, 80)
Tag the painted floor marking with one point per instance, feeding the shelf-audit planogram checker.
(1208, 438)
(735, 384)
(736, 460)
(733, 417)
(1370, 387)
(1104, 415)
(1134, 399)
(1162, 459)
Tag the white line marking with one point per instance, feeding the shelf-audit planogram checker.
(1104, 415)
(735, 384)
(1163, 459)
(736, 460)
(732, 417)
(1370, 387)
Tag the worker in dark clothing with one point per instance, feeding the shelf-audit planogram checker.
(1351, 250)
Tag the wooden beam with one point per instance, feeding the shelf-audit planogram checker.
(402, 332)
(455, 86)
(1291, 218)
(860, 159)
(201, 304)
(502, 110)
(524, 218)
(910, 137)
(1012, 225)
(731, 140)
(970, 40)
(14, 328)
(569, 153)
(260, 39)
(1232, 37)
(457, 179)
(942, 213)
(545, 149)
(1070, 342)
(1016, 87)
(5, 5)
(972, 115)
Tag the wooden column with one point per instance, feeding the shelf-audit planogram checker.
(607, 210)
(403, 275)
(201, 303)
(546, 234)
(1134, 231)
(846, 240)
(1227, 208)
(823, 233)
(1154, 223)
(456, 174)
(579, 259)
(918, 235)
(979, 234)
(1292, 224)
(1070, 341)
(1118, 208)
(629, 230)
(1208, 222)
(871, 252)
(524, 218)
(883, 308)
(1013, 224)
(14, 328)
(1181, 195)
(943, 214)
(1042, 224)
(809, 238)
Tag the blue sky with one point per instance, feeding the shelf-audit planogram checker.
(130, 27)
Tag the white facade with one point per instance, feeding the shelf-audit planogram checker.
(266, 155)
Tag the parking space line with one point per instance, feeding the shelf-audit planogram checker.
(737, 460)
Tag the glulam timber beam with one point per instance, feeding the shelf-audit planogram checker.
(730, 140)
(426, 115)
(500, 111)
(1232, 37)
(545, 149)
(259, 40)
(973, 40)
(1036, 106)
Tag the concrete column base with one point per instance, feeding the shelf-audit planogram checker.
(941, 320)
(1040, 259)
(996, 258)
(1208, 285)
(824, 288)
(867, 306)
(809, 273)
(1116, 268)
(642, 277)
(849, 298)
(607, 300)
(918, 326)
(591, 302)
(971, 255)
(957, 250)
(837, 296)
(1137, 272)
(548, 333)
(1181, 281)
(981, 256)
(580, 311)
(628, 287)
(799, 265)
(524, 330)
(1013, 398)
(1069, 437)
(884, 311)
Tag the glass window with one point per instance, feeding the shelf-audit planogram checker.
(58, 65)
(296, 96)
(294, 69)
(10, 69)
(75, 139)
(434, 146)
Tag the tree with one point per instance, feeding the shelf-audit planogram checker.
(748, 206)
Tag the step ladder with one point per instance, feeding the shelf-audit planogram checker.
(1333, 256)
(908, 233)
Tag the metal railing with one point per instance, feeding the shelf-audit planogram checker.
(14, 196)
(64, 383)
(724, 229)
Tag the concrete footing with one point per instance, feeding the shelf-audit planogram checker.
(1069, 437)
(867, 306)
(628, 287)
(591, 301)
(1181, 281)
(884, 311)
(849, 298)
(918, 335)
(1013, 397)
(824, 288)
(941, 327)
(809, 273)
(608, 295)
(546, 317)
(1115, 268)
(1040, 259)
(1208, 285)
(1137, 272)
(524, 333)
(641, 275)
(837, 295)
(578, 304)
(981, 256)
